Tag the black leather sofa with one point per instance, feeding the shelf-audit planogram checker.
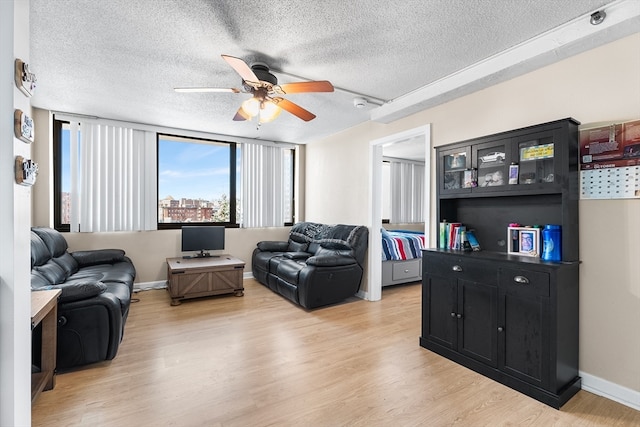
(96, 293)
(319, 265)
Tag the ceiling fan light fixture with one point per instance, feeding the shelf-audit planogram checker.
(268, 112)
(251, 106)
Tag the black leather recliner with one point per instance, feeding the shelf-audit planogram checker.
(319, 265)
(96, 293)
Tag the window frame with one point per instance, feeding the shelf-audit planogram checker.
(233, 185)
(57, 176)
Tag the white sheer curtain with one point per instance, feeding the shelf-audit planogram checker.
(407, 192)
(113, 178)
(262, 186)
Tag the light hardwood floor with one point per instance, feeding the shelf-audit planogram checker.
(258, 360)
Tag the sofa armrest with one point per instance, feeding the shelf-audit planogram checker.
(297, 255)
(77, 291)
(98, 256)
(330, 260)
(273, 246)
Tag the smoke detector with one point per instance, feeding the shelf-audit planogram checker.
(359, 102)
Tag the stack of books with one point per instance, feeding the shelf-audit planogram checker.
(455, 236)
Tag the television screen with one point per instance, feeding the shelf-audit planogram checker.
(202, 238)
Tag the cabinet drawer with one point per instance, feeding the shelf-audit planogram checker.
(459, 268)
(524, 282)
(406, 270)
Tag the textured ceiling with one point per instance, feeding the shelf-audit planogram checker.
(121, 59)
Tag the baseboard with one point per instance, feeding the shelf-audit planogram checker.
(247, 275)
(146, 286)
(363, 295)
(611, 391)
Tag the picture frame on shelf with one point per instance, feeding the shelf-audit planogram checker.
(523, 241)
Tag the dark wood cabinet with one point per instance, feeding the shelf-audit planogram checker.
(547, 191)
(461, 308)
(512, 318)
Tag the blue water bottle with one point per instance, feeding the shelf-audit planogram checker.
(552, 243)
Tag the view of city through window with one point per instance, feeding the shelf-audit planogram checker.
(194, 181)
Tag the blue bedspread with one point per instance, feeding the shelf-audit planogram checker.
(401, 244)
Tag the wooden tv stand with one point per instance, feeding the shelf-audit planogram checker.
(201, 277)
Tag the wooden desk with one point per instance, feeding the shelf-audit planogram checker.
(44, 310)
(200, 277)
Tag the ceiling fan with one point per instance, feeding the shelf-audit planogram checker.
(266, 102)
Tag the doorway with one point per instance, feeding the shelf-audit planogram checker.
(376, 149)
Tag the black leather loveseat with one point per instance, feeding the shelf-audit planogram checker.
(319, 265)
(96, 293)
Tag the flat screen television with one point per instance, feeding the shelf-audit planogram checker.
(202, 239)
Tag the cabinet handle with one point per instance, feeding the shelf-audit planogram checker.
(459, 316)
(521, 280)
(456, 268)
(453, 314)
(500, 329)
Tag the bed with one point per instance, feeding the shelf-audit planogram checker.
(402, 256)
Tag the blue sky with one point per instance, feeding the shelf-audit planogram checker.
(192, 170)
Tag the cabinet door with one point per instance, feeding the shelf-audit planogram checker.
(523, 319)
(439, 307)
(452, 166)
(478, 320)
(492, 159)
(537, 158)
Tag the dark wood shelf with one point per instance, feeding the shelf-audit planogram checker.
(512, 318)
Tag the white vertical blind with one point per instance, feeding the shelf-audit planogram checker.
(262, 186)
(112, 178)
(407, 192)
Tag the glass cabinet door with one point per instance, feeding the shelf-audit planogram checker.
(536, 159)
(493, 160)
(456, 176)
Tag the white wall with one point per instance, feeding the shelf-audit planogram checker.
(599, 85)
(15, 212)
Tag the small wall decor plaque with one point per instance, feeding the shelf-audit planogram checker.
(26, 171)
(25, 79)
(23, 126)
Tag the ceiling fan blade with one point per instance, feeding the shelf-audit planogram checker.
(301, 87)
(206, 89)
(294, 109)
(241, 68)
(241, 115)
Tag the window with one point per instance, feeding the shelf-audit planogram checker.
(197, 181)
(102, 177)
(217, 182)
(179, 180)
(62, 178)
(403, 190)
(267, 187)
